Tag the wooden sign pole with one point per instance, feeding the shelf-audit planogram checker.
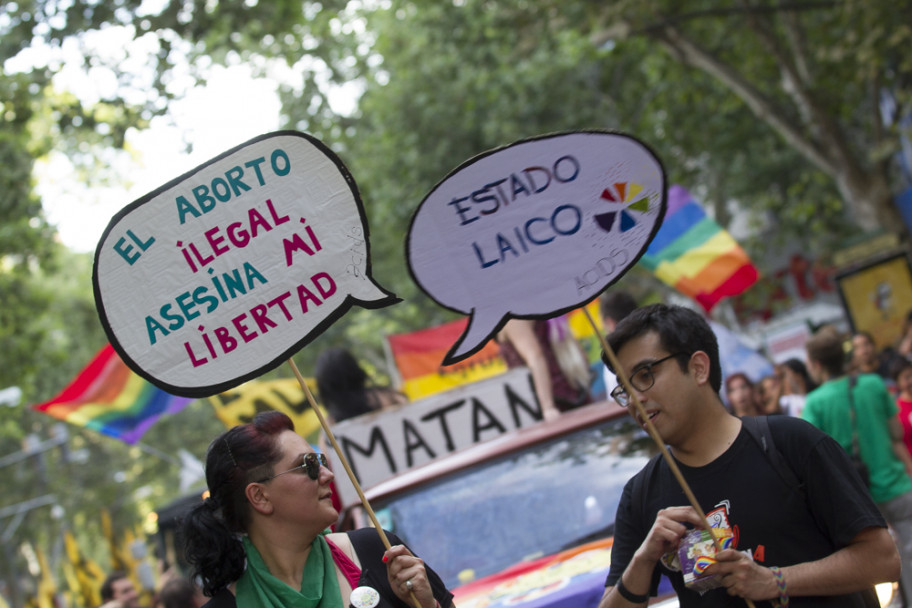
(345, 464)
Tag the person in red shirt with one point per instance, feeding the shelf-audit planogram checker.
(901, 372)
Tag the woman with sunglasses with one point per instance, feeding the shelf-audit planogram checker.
(261, 540)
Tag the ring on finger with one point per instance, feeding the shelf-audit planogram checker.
(408, 584)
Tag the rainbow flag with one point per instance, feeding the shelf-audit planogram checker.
(109, 398)
(693, 254)
(417, 356)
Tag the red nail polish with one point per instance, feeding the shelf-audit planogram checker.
(385, 559)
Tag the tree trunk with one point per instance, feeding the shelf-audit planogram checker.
(865, 189)
(870, 200)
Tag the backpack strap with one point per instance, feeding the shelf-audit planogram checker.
(758, 428)
(856, 450)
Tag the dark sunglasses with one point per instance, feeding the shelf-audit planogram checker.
(311, 466)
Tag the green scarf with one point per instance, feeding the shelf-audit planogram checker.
(319, 585)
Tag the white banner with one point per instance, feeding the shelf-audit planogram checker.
(379, 446)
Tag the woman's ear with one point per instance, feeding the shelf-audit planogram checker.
(699, 366)
(258, 497)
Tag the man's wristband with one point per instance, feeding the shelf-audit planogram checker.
(781, 587)
(629, 595)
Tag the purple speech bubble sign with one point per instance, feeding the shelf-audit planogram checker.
(535, 229)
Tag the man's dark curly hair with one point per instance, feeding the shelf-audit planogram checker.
(680, 331)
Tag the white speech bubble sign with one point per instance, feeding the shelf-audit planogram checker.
(223, 273)
(535, 229)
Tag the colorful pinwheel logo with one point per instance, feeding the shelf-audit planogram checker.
(622, 193)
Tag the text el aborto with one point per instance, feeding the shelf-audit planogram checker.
(221, 189)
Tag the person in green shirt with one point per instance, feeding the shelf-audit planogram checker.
(878, 429)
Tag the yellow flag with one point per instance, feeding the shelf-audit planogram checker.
(47, 586)
(240, 404)
(118, 560)
(126, 551)
(89, 575)
(76, 597)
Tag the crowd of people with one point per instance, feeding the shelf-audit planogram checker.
(773, 479)
(781, 392)
(785, 390)
(839, 420)
(174, 590)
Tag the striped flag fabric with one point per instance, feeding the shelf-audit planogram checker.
(695, 255)
(417, 356)
(109, 398)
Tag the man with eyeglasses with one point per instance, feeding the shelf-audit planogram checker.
(821, 543)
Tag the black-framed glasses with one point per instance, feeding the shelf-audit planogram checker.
(311, 466)
(641, 379)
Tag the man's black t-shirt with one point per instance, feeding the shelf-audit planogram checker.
(779, 524)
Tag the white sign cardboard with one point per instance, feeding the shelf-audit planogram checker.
(382, 444)
(535, 229)
(228, 270)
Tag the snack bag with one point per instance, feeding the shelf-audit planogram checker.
(696, 553)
